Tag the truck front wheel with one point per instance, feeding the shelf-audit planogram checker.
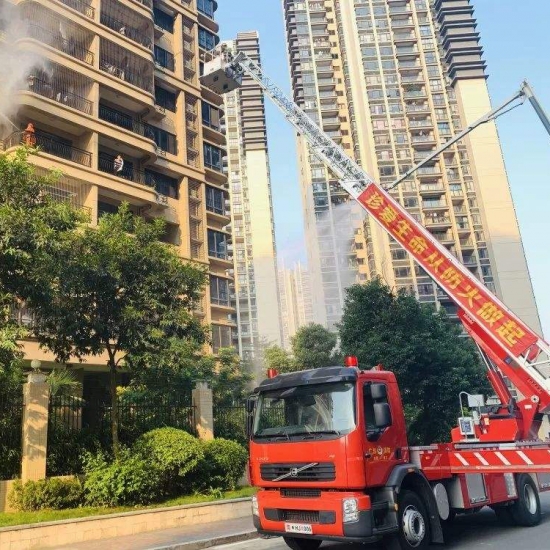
(302, 544)
(414, 524)
(526, 509)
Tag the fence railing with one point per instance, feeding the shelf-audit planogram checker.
(230, 422)
(76, 425)
(11, 418)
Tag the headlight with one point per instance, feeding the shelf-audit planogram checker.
(255, 507)
(349, 509)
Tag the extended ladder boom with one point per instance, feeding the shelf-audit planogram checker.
(498, 329)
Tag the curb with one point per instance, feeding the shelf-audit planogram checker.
(208, 543)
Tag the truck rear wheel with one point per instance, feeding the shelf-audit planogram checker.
(414, 524)
(302, 544)
(526, 509)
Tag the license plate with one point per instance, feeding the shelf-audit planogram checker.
(303, 528)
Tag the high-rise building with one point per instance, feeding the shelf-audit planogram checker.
(256, 297)
(112, 88)
(391, 81)
(296, 305)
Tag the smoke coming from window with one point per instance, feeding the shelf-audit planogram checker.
(16, 61)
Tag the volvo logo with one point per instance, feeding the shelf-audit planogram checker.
(293, 472)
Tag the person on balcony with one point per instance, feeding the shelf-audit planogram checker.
(29, 135)
(118, 164)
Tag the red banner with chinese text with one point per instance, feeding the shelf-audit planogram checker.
(468, 293)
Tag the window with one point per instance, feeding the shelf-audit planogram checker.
(164, 140)
(221, 337)
(165, 185)
(207, 40)
(219, 291)
(206, 7)
(217, 244)
(210, 116)
(164, 20)
(373, 393)
(164, 58)
(215, 200)
(402, 272)
(212, 157)
(399, 254)
(165, 99)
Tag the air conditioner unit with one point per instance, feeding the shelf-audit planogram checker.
(226, 227)
(230, 272)
(227, 202)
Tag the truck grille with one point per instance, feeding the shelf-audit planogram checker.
(323, 471)
(304, 516)
(300, 493)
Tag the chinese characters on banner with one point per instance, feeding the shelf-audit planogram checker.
(471, 296)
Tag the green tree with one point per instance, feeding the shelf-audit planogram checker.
(32, 225)
(275, 357)
(117, 289)
(314, 346)
(424, 349)
(230, 380)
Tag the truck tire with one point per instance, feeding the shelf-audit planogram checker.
(295, 543)
(414, 524)
(526, 509)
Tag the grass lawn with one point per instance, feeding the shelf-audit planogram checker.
(21, 518)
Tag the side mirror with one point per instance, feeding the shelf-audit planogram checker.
(382, 415)
(378, 391)
(250, 408)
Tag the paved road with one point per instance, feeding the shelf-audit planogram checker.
(480, 531)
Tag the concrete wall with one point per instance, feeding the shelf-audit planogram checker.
(59, 533)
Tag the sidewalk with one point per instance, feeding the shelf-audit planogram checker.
(181, 538)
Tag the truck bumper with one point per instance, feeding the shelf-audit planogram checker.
(323, 513)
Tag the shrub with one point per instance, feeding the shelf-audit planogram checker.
(222, 466)
(174, 453)
(129, 480)
(50, 493)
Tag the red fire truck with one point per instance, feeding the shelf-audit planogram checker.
(328, 447)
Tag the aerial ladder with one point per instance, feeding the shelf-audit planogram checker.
(509, 348)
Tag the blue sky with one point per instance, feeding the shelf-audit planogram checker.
(517, 45)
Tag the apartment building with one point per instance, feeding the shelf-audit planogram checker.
(117, 105)
(296, 304)
(256, 297)
(391, 81)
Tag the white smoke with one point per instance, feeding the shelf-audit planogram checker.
(340, 229)
(15, 62)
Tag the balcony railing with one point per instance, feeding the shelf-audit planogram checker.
(79, 5)
(125, 30)
(70, 47)
(147, 3)
(58, 92)
(55, 146)
(51, 144)
(106, 164)
(116, 69)
(122, 120)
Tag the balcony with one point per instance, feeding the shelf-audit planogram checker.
(122, 64)
(59, 88)
(53, 145)
(431, 189)
(105, 164)
(79, 5)
(124, 28)
(70, 46)
(128, 122)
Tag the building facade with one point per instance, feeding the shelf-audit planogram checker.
(391, 81)
(296, 304)
(113, 92)
(256, 296)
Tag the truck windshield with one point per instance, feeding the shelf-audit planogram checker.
(302, 411)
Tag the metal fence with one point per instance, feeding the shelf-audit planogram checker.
(230, 422)
(11, 420)
(77, 426)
